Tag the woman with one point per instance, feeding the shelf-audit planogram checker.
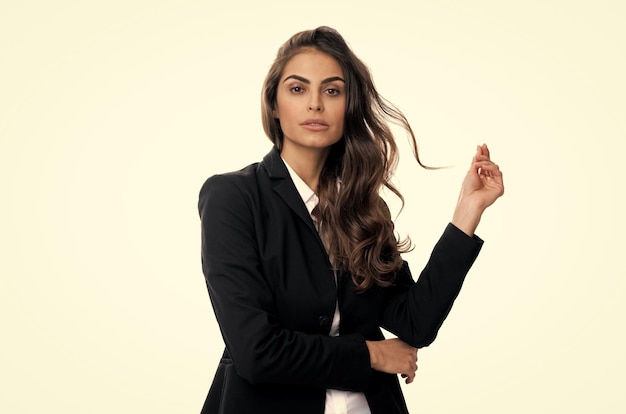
(299, 253)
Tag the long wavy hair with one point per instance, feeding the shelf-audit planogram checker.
(355, 222)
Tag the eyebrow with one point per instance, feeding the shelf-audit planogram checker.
(305, 80)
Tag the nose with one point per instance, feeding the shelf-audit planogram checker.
(315, 103)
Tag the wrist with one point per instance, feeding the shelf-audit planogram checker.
(467, 215)
(372, 347)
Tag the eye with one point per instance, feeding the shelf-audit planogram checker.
(333, 91)
(296, 89)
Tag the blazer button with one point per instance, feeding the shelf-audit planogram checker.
(324, 320)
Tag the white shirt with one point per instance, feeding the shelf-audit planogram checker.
(337, 402)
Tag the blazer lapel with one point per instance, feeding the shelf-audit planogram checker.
(284, 187)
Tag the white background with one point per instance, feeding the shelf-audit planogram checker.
(112, 114)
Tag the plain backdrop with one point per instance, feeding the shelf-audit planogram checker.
(113, 113)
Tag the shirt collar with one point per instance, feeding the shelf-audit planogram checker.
(306, 193)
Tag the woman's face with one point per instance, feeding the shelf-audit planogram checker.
(311, 102)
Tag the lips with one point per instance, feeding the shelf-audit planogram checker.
(314, 122)
(315, 125)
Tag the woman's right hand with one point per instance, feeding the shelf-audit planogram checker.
(393, 356)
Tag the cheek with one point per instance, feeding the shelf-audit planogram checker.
(283, 110)
(279, 106)
(340, 113)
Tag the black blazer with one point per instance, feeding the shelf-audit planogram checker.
(273, 292)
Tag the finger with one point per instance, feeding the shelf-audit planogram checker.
(489, 168)
(478, 153)
(482, 167)
(485, 150)
(485, 162)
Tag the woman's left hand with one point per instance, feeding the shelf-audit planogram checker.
(483, 183)
(481, 187)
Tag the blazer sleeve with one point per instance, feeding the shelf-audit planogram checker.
(416, 310)
(242, 298)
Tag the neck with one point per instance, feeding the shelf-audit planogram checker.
(308, 164)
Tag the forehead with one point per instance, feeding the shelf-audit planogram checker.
(313, 65)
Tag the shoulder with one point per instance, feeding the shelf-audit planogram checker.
(229, 180)
(228, 188)
(243, 188)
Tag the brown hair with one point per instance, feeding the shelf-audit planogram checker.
(356, 223)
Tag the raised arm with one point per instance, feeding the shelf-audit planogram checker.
(415, 311)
